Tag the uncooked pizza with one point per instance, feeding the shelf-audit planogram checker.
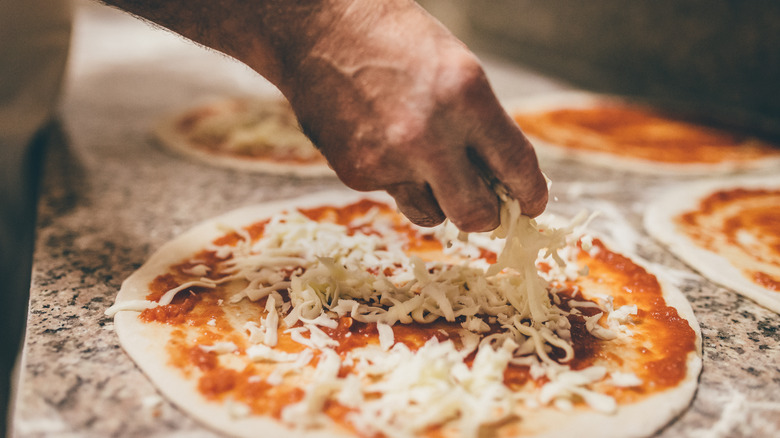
(246, 133)
(332, 315)
(727, 230)
(626, 135)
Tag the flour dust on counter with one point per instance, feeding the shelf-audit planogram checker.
(333, 315)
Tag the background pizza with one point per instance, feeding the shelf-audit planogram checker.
(627, 135)
(727, 230)
(334, 316)
(259, 134)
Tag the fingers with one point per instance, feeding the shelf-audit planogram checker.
(508, 154)
(464, 196)
(501, 150)
(417, 203)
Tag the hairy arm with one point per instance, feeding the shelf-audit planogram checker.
(392, 99)
(271, 36)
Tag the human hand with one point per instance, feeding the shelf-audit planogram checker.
(392, 99)
(395, 102)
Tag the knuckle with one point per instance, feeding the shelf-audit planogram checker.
(426, 221)
(480, 216)
(463, 75)
(475, 224)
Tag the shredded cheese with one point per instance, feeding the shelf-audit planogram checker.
(220, 347)
(334, 273)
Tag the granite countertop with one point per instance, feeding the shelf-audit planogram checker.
(110, 197)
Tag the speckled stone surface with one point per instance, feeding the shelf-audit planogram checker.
(111, 196)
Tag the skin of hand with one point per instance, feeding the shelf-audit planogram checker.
(392, 99)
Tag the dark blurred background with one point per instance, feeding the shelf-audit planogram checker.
(717, 57)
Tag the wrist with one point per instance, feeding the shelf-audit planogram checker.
(281, 33)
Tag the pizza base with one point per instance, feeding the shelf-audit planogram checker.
(146, 345)
(646, 417)
(659, 222)
(171, 138)
(581, 99)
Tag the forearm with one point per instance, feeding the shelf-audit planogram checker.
(270, 36)
(391, 98)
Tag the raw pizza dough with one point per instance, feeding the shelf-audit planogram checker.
(256, 134)
(731, 261)
(680, 148)
(153, 346)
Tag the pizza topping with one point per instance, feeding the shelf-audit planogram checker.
(167, 298)
(568, 384)
(637, 132)
(386, 335)
(625, 380)
(249, 128)
(219, 348)
(402, 342)
(130, 305)
(199, 270)
(413, 390)
(260, 352)
(296, 363)
(743, 226)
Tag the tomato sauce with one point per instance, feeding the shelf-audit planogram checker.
(178, 312)
(415, 241)
(344, 215)
(200, 318)
(243, 386)
(664, 364)
(633, 131)
(742, 225)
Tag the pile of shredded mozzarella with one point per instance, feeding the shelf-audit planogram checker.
(393, 390)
